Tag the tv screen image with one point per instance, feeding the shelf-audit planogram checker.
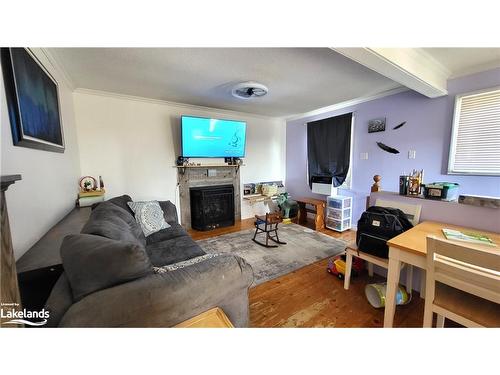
(212, 138)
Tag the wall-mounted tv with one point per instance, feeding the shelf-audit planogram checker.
(212, 138)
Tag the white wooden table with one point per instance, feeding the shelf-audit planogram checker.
(410, 247)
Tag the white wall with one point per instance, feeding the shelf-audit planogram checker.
(133, 144)
(49, 184)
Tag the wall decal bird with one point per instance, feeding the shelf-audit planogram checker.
(387, 148)
(398, 126)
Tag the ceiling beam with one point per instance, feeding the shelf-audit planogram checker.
(411, 67)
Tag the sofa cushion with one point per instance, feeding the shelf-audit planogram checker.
(149, 215)
(111, 221)
(169, 212)
(93, 263)
(121, 202)
(175, 230)
(173, 251)
(59, 301)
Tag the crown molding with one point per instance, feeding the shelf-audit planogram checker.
(193, 107)
(346, 104)
(476, 69)
(51, 57)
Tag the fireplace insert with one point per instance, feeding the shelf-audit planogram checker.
(212, 207)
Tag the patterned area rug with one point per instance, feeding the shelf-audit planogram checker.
(304, 246)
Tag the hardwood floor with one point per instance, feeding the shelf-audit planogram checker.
(239, 226)
(311, 297)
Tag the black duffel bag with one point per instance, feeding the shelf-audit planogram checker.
(376, 226)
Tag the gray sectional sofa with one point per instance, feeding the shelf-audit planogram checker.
(109, 281)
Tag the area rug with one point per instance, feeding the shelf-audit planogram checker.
(303, 246)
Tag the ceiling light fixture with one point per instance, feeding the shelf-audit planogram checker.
(249, 90)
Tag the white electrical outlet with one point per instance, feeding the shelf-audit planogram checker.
(363, 156)
(212, 172)
(412, 154)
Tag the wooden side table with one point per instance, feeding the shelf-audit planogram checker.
(213, 318)
(319, 211)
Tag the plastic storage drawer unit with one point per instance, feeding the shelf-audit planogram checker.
(338, 213)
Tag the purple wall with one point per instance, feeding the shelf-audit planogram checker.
(427, 130)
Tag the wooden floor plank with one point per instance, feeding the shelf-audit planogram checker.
(311, 297)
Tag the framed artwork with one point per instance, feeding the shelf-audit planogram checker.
(376, 125)
(32, 101)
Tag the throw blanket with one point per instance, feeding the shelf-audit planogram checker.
(184, 263)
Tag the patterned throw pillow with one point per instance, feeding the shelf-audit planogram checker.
(149, 215)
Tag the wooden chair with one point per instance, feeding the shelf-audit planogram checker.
(463, 284)
(412, 212)
(268, 224)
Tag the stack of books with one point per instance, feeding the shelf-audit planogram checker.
(88, 198)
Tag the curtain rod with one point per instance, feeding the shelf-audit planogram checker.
(353, 115)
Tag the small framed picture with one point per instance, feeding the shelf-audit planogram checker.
(376, 125)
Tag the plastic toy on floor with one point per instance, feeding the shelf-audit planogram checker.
(289, 208)
(337, 266)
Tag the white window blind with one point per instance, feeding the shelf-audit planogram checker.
(475, 141)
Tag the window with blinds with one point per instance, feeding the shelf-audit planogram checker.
(475, 139)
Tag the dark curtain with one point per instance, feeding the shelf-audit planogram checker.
(328, 149)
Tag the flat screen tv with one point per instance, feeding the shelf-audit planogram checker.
(212, 138)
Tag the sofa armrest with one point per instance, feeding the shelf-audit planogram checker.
(163, 300)
(59, 301)
(169, 211)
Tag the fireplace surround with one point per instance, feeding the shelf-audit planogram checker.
(205, 177)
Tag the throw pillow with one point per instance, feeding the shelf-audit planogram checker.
(121, 202)
(92, 263)
(149, 215)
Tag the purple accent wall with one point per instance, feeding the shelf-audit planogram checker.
(447, 212)
(427, 131)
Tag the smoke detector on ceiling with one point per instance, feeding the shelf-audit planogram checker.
(249, 90)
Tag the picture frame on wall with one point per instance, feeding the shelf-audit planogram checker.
(376, 125)
(33, 101)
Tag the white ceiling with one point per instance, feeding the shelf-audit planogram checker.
(299, 79)
(462, 61)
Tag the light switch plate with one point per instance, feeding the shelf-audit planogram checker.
(412, 154)
(212, 172)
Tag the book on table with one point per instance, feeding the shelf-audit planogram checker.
(477, 238)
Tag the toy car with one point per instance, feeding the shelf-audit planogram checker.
(337, 265)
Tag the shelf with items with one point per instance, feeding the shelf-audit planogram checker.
(254, 198)
(338, 213)
(208, 166)
(182, 168)
(91, 193)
